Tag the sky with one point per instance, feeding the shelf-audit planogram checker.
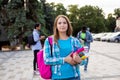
(107, 6)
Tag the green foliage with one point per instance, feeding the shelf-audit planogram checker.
(22, 18)
(59, 9)
(74, 18)
(51, 11)
(18, 19)
(92, 17)
(117, 12)
(110, 23)
(49, 17)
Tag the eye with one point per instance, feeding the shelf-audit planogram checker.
(59, 22)
(64, 22)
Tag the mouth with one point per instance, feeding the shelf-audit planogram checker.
(62, 28)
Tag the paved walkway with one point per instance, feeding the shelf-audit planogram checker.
(104, 64)
(16, 65)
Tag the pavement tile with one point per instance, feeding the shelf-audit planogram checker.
(104, 64)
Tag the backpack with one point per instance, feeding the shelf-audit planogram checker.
(44, 70)
(31, 40)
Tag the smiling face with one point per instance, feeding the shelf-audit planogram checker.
(62, 25)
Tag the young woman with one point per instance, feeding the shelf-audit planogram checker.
(64, 67)
(36, 47)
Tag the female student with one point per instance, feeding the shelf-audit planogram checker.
(64, 67)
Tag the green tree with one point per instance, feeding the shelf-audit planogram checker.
(51, 11)
(4, 22)
(22, 16)
(110, 23)
(17, 18)
(92, 16)
(60, 9)
(73, 14)
(49, 16)
(117, 12)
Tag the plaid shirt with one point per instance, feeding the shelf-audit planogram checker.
(55, 60)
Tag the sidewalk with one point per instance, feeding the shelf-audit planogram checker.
(101, 68)
(103, 64)
(16, 65)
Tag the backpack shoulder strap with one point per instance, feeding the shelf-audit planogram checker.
(50, 39)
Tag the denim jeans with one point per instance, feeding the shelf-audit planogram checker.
(86, 64)
(86, 60)
(73, 78)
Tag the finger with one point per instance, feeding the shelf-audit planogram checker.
(74, 63)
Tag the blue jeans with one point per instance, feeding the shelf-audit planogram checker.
(86, 64)
(86, 60)
(73, 78)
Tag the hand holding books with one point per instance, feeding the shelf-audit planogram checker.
(82, 55)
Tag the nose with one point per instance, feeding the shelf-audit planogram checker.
(62, 24)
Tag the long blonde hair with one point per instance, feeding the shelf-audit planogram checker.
(55, 30)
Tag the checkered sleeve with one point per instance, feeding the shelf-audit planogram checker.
(51, 59)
